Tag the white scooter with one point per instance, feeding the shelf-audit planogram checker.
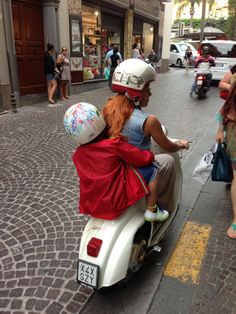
(109, 249)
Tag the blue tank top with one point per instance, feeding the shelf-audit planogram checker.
(133, 130)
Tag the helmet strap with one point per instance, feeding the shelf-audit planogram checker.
(135, 99)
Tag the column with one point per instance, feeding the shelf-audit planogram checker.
(8, 71)
(128, 33)
(50, 23)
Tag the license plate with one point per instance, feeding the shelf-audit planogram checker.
(220, 65)
(88, 273)
(199, 82)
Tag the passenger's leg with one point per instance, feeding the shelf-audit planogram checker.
(153, 213)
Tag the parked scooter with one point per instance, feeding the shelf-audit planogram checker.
(202, 86)
(110, 249)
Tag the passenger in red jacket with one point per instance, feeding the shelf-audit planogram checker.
(109, 180)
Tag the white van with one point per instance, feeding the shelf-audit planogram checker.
(177, 53)
(224, 52)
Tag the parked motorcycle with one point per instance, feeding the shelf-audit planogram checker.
(110, 249)
(202, 86)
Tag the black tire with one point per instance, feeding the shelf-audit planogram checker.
(200, 94)
(179, 63)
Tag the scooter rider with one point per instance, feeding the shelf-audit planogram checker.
(203, 66)
(109, 181)
(123, 114)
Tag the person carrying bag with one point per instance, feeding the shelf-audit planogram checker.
(227, 133)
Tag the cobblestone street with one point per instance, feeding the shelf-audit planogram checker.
(40, 228)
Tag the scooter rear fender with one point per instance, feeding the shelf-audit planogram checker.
(118, 262)
(117, 236)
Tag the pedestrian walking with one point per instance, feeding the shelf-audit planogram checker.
(227, 133)
(113, 61)
(110, 52)
(187, 57)
(153, 58)
(49, 71)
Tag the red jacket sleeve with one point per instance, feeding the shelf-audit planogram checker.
(133, 155)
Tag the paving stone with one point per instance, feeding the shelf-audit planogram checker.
(73, 307)
(54, 308)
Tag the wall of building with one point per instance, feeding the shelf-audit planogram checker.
(57, 30)
(165, 31)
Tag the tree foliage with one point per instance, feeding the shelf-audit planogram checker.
(196, 23)
(231, 25)
(190, 3)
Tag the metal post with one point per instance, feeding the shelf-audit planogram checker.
(203, 20)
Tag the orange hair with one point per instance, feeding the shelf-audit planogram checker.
(116, 112)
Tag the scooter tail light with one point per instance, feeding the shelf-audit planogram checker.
(200, 77)
(94, 247)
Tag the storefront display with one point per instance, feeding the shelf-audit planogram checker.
(91, 20)
(101, 31)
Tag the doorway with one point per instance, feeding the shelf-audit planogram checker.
(29, 44)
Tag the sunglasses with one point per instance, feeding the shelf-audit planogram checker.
(64, 49)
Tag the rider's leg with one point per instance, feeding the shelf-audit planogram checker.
(166, 180)
(209, 77)
(193, 86)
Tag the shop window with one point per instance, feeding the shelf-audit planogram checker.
(92, 54)
(109, 39)
(148, 30)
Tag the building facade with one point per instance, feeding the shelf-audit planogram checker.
(88, 28)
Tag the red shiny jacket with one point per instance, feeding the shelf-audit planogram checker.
(108, 181)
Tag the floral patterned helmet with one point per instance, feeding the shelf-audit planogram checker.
(84, 122)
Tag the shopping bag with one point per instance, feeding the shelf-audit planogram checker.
(203, 168)
(106, 73)
(222, 169)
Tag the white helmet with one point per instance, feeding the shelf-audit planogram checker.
(131, 76)
(84, 122)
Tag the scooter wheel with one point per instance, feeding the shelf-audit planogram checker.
(137, 255)
(200, 95)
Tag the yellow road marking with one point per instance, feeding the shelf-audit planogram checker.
(186, 260)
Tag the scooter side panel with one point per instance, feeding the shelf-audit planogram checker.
(117, 265)
(108, 231)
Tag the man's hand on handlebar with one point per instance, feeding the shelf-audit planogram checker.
(183, 144)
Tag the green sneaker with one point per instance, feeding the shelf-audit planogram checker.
(160, 215)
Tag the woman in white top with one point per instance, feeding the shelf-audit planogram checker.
(63, 64)
(135, 52)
